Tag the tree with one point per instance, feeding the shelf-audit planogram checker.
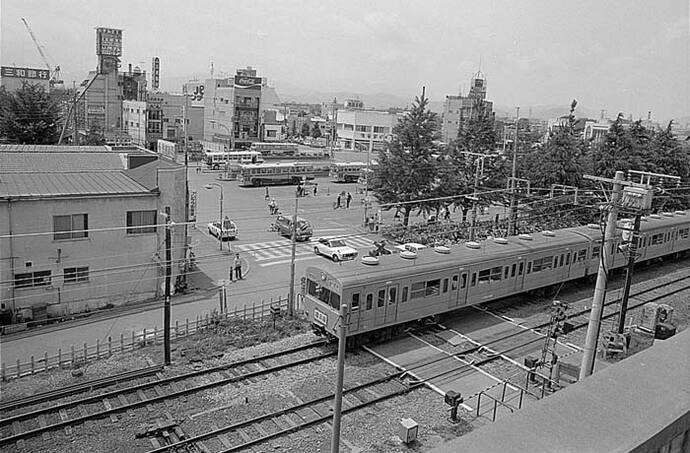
(29, 116)
(305, 129)
(94, 137)
(560, 160)
(407, 171)
(316, 131)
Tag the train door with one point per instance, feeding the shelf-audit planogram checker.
(641, 247)
(392, 298)
(355, 312)
(380, 306)
(458, 289)
(520, 274)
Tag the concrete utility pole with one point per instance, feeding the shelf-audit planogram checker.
(606, 260)
(168, 277)
(478, 171)
(512, 220)
(338, 403)
(632, 251)
(291, 302)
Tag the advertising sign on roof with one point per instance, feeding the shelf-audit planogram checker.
(25, 73)
(109, 41)
(247, 82)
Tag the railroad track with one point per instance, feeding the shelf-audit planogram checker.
(18, 427)
(305, 414)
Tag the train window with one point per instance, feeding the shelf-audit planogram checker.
(463, 283)
(454, 283)
(581, 255)
(542, 264)
(392, 295)
(506, 271)
(529, 267)
(335, 299)
(445, 285)
(381, 300)
(403, 296)
(555, 261)
(485, 276)
(370, 301)
(355, 302)
(657, 239)
(474, 279)
(560, 262)
(496, 273)
(433, 287)
(684, 233)
(613, 248)
(418, 290)
(596, 250)
(521, 267)
(567, 259)
(512, 270)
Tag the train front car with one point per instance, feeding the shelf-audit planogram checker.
(321, 296)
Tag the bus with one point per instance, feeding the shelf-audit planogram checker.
(346, 171)
(273, 174)
(275, 150)
(216, 160)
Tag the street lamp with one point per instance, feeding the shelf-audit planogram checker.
(210, 186)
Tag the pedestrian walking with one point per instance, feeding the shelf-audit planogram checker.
(237, 264)
(446, 214)
(348, 200)
(272, 206)
(267, 196)
(315, 185)
(337, 203)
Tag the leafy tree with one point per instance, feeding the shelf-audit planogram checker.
(94, 137)
(668, 156)
(407, 169)
(560, 160)
(316, 131)
(305, 129)
(29, 116)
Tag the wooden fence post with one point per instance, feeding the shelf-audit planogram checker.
(45, 360)
(253, 310)
(132, 343)
(110, 346)
(177, 329)
(122, 342)
(86, 352)
(73, 357)
(19, 374)
(144, 336)
(32, 364)
(186, 327)
(98, 348)
(60, 358)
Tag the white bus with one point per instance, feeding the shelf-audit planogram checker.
(216, 160)
(346, 171)
(275, 150)
(273, 174)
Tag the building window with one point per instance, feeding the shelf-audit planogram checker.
(76, 274)
(141, 222)
(73, 226)
(32, 279)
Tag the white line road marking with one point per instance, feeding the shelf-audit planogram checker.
(287, 261)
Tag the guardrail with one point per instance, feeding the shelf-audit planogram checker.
(106, 348)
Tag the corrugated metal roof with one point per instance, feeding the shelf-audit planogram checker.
(20, 162)
(53, 149)
(66, 184)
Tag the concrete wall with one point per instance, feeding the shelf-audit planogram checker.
(123, 268)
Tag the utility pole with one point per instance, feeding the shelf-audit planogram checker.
(186, 183)
(338, 403)
(478, 171)
(512, 220)
(606, 260)
(291, 301)
(168, 277)
(632, 252)
(75, 140)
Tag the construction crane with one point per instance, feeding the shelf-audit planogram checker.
(55, 77)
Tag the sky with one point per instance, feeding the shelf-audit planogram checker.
(631, 56)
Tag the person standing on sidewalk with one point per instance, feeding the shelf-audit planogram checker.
(237, 264)
(348, 200)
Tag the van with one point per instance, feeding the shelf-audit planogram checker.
(284, 227)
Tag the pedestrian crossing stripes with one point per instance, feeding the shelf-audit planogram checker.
(269, 250)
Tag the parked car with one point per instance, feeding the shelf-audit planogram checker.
(229, 229)
(334, 248)
(303, 232)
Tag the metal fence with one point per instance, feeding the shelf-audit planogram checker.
(103, 349)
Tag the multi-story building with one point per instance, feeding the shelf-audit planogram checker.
(362, 130)
(233, 108)
(134, 121)
(81, 227)
(458, 109)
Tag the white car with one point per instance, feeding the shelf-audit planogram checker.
(229, 229)
(410, 247)
(335, 248)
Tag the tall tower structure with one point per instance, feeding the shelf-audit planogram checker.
(478, 86)
(459, 109)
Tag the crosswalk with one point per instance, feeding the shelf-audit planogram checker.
(262, 251)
